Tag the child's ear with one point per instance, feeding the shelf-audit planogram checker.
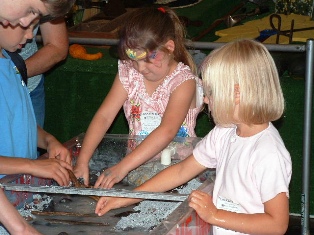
(237, 93)
(170, 45)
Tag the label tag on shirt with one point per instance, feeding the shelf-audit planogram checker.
(227, 205)
(150, 121)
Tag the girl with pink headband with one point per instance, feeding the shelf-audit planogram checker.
(157, 87)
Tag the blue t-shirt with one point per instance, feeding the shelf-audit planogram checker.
(18, 128)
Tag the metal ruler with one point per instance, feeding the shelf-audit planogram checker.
(96, 192)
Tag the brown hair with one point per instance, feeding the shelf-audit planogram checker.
(148, 29)
(58, 8)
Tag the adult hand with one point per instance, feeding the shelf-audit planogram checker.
(110, 177)
(52, 169)
(203, 204)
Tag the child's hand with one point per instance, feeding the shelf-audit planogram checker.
(52, 169)
(106, 204)
(110, 177)
(203, 204)
(82, 171)
(56, 150)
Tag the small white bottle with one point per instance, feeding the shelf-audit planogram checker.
(166, 154)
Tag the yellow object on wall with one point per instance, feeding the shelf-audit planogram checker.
(252, 29)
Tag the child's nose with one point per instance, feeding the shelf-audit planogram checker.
(29, 33)
(141, 66)
(25, 21)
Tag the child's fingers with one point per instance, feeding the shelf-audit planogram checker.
(106, 180)
(86, 179)
(197, 195)
(66, 165)
(102, 182)
(99, 181)
(101, 208)
(82, 172)
(199, 200)
(202, 203)
(61, 176)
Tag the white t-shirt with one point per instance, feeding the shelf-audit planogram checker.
(249, 171)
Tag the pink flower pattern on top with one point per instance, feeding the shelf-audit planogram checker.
(144, 112)
(135, 111)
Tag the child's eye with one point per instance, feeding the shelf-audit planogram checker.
(31, 11)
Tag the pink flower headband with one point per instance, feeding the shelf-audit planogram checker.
(133, 54)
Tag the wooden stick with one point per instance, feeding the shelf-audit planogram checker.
(78, 184)
(71, 222)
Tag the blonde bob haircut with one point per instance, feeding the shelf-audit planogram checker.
(248, 65)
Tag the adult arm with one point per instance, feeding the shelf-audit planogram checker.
(55, 47)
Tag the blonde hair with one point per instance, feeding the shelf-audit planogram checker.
(249, 65)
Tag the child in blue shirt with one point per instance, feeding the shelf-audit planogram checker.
(20, 135)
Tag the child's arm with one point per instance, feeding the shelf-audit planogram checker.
(54, 148)
(274, 221)
(176, 111)
(44, 168)
(179, 174)
(12, 220)
(98, 127)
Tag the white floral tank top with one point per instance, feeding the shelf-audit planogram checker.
(143, 112)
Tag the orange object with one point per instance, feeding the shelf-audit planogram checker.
(79, 52)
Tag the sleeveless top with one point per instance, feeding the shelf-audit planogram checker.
(144, 112)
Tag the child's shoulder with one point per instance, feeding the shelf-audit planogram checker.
(181, 73)
(221, 132)
(124, 63)
(126, 70)
(182, 68)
